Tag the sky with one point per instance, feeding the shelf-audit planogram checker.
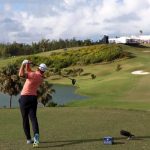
(27, 21)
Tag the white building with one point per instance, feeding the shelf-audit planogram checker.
(131, 39)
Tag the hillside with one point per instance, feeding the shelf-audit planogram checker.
(119, 89)
(111, 88)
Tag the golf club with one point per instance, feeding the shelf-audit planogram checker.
(72, 80)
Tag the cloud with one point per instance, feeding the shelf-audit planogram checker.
(10, 25)
(7, 7)
(30, 20)
(124, 18)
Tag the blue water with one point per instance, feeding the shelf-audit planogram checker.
(63, 95)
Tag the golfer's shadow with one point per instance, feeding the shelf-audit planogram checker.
(63, 143)
(134, 138)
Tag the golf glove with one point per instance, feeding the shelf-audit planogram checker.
(25, 62)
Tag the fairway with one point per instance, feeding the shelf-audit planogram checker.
(77, 129)
(118, 89)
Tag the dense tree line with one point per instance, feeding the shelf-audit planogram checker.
(15, 49)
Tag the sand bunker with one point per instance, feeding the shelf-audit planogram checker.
(146, 51)
(140, 72)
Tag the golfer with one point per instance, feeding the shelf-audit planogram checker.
(28, 99)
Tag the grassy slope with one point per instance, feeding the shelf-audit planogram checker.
(118, 89)
(4, 62)
(76, 128)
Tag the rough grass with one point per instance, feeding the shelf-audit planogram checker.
(75, 128)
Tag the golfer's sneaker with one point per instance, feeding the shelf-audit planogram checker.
(30, 141)
(36, 140)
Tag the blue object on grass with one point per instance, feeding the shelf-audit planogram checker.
(108, 140)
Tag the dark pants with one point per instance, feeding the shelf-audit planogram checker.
(28, 107)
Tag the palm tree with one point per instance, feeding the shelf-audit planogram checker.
(44, 44)
(141, 32)
(10, 83)
(45, 93)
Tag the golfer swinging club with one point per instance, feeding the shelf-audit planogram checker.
(28, 99)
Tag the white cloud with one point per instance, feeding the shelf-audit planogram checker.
(7, 7)
(74, 18)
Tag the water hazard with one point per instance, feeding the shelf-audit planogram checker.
(63, 95)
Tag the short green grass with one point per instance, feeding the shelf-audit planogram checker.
(75, 128)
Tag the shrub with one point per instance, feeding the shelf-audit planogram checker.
(118, 68)
(82, 56)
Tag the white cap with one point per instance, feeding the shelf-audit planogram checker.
(43, 67)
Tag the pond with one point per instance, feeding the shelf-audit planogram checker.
(63, 95)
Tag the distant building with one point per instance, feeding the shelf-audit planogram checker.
(104, 40)
(131, 39)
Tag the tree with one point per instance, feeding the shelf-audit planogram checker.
(87, 42)
(44, 93)
(10, 83)
(44, 44)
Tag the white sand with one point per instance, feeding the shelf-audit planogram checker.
(146, 51)
(140, 72)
